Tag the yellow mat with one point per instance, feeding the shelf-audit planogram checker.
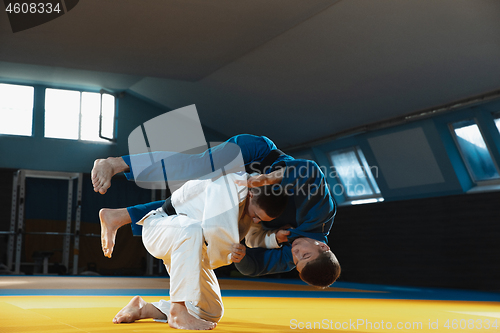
(61, 314)
(58, 304)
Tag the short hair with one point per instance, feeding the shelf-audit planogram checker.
(272, 199)
(322, 271)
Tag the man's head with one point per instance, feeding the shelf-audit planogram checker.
(265, 203)
(315, 262)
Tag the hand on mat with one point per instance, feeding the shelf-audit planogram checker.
(238, 252)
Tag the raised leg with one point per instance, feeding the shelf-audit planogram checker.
(111, 221)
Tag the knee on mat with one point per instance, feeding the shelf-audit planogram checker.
(217, 314)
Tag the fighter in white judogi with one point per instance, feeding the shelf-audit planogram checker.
(212, 218)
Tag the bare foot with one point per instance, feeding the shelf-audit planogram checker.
(131, 312)
(180, 318)
(111, 221)
(137, 309)
(104, 170)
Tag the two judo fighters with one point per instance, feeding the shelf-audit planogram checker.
(213, 223)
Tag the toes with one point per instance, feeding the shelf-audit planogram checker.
(104, 186)
(107, 252)
(105, 249)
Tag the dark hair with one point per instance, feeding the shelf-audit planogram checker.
(322, 271)
(272, 199)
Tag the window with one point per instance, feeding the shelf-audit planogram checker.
(474, 151)
(79, 115)
(107, 116)
(16, 109)
(497, 121)
(356, 176)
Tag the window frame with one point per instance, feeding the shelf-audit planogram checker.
(113, 139)
(79, 139)
(361, 199)
(478, 183)
(496, 115)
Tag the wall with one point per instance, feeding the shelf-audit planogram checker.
(416, 159)
(46, 200)
(448, 241)
(436, 227)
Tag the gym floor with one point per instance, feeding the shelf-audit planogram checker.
(58, 304)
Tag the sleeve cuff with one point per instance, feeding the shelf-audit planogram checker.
(129, 175)
(271, 242)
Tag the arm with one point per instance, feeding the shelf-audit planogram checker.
(315, 211)
(238, 252)
(269, 239)
(261, 261)
(305, 183)
(272, 178)
(220, 217)
(314, 205)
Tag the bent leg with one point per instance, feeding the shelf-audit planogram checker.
(111, 221)
(201, 315)
(209, 306)
(178, 240)
(137, 212)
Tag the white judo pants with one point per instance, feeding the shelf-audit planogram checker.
(178, 240)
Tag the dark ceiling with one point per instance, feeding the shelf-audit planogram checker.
(295, 70)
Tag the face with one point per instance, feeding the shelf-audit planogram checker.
(254, 211)
(305, 250)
